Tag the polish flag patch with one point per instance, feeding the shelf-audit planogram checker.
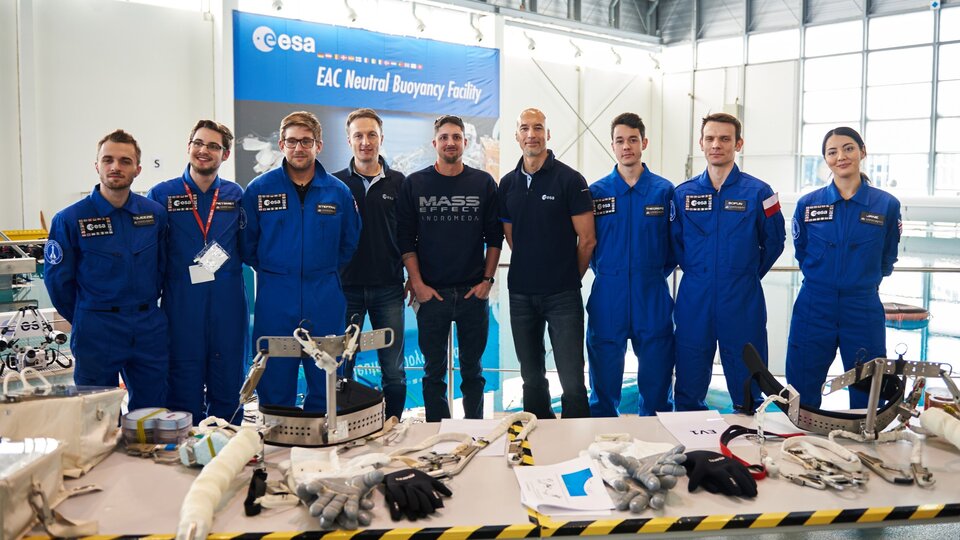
(771, 205)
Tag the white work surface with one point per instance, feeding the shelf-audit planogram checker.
(141, 497)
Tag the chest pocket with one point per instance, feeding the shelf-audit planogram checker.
(101, 258)
(321, 235)
(146, 262)
(738, 233)
(866, 236)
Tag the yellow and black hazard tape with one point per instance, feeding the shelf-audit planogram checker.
(659, 525)
(512, 432)
(547, 527)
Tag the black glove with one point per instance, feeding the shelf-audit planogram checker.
(719, 474)
(413, 493)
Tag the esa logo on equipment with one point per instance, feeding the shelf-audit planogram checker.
(265, 40)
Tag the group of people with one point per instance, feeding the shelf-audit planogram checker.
(329, 249)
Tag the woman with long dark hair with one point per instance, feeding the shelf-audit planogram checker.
(846, 236)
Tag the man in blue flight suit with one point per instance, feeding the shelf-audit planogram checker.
(104, 269)
(630, 298)
(373, 281)
(204, 299)
(726, 230)
(302, 228)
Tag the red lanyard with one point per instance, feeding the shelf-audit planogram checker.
(213, 207)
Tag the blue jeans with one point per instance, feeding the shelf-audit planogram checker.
(562, 315)
(385, 306)
(472, 316)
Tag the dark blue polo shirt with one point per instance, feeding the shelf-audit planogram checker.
(544, 259)
(377, 260)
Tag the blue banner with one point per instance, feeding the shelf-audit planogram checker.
(291, 61)
(284, 65)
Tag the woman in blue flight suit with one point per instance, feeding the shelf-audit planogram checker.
(846, 236)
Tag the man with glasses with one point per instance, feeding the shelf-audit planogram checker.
(373, 281)
(302, 229)
(446, 214)
(203, 294)
(104, 265)
(547, 216)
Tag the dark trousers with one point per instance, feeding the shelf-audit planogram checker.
(385, 306)
(562, 315)
(434, 317)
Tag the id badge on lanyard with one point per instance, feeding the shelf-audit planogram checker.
(212, 256)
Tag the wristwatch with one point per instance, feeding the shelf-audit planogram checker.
(490, 279)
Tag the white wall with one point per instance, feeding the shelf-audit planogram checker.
(92, 67)
(11, 211)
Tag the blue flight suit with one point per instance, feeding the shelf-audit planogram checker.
(725, 241)
(845, 248)
(630, 298)
(297, 251)
(104, 271)
(208, 321)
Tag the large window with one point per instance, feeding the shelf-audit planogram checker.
(887, 93)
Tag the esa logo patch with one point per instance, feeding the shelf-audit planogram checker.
(99, 226)
(52, 252)
(818, 212)
(272, 202)
(605, 206)
(180, 203)
(698, 203)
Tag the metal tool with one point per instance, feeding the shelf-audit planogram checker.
(888, 473)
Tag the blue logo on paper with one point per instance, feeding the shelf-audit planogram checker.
(52, 252)
(576, 482)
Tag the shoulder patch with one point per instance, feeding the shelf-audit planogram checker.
(796, 228)
(604, 206)
(673, 211)
(52, 252)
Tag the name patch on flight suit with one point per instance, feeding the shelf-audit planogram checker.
(180, 203)
(226, 206)
(654, 210)
(268, 203)
(327, 209)
(605, 206)
(735, 206)
(98, 226)
(872, 218)
(698, 203)
(818, 212)
(144, 220)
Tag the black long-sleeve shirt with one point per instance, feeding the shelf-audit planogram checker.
(446, 221)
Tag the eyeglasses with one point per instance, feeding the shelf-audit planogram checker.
(198, 144)
(305, 143)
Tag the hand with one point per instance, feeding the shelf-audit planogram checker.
(424, 293)
(719, 474)
(480, 290)
(413, 493)
(341, 502)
